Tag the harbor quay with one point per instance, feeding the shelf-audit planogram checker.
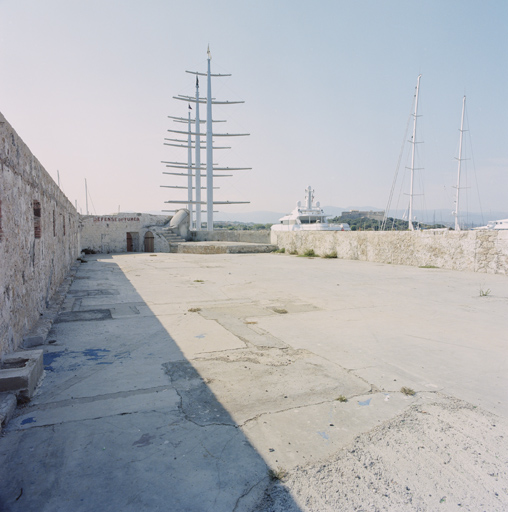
(266, 382)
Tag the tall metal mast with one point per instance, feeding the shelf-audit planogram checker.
(413, 153)
(209, 149)
(456, 212)
(198, 161)
(189, 168)
(210, 166)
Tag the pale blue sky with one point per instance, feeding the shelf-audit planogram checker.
(328, 87)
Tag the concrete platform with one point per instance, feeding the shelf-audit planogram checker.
(178, 381)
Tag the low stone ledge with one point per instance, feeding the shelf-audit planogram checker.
(20, 372)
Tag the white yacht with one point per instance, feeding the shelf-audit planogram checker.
(309, 217)
(497, 224)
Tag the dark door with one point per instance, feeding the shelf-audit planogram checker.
(130, 246)
(148, 241)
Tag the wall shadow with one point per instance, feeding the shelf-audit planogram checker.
(122, 420)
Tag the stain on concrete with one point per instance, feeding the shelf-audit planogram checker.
(84, 316)
(144, 440)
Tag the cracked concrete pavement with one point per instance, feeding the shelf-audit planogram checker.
(176, 381)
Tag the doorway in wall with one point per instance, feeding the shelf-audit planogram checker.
(132, 242)
(149, 242)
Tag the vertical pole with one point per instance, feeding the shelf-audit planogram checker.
(209, 151)
(189, 170)
(456, 213)
(86, 197)
(198, 161)
(411, 227)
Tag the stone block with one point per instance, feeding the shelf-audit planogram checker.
(20, 372)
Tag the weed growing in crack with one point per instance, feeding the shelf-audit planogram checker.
(280, 311)
(278, 474)
(484, 293)
(407, 391)
(194, 310)
(341, 398)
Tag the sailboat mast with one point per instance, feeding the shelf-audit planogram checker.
(413, 141)
(456, 213)
(86, 197)
(209, 150)
(198, 161)
(189, 167)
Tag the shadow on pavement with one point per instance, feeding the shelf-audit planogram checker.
(122, 420)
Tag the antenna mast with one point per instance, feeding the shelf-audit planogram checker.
(456, 212)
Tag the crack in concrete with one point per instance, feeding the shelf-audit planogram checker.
(250, 489)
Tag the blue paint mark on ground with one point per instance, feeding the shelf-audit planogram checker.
(28, 420)
(105, 362)
(94, 354)
(324, 435)
(200, 336)
(49, 358)
(367, 402)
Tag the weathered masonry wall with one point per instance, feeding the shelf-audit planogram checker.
(39, 238)
(234, 235)
(124, 232)
(475, 251)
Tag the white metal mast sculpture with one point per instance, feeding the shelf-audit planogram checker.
(456, 212)
(413, 153)
(210, 167)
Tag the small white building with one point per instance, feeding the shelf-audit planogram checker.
(132, 232)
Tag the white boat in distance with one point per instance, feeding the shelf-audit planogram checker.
(496, 224)
(309, 217)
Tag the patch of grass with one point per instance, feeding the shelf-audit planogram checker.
(293, 253)
(341, 398)
(280, 251)
(280, 311)
(278, 474)
(407, 391)
(194, 310)
(153, 255)
(198, 281)
(427, 266)
(332, 254)
(309, 253)
(484, 293)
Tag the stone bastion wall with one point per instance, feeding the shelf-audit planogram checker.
(39, 238)
(474, 251)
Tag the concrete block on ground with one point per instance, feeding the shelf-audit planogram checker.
(20, 372)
